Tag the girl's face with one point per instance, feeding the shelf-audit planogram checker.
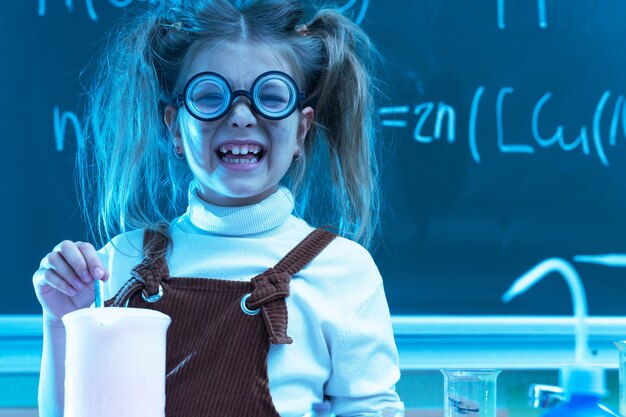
(240, 158)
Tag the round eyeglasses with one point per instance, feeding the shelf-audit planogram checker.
(208, 96)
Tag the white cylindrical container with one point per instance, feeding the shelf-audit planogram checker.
(115, 362)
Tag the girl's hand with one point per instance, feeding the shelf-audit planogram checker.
(64, 281)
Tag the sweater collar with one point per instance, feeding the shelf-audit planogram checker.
(238, 221)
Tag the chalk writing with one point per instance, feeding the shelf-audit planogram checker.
(472, 124)
(617, 260)
(394, 110)
(60, 126)
(363, 10)
(541, 14)
(91, 11)
(585, 142)
(501, 145)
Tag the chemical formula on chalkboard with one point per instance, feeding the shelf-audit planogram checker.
(590, 138)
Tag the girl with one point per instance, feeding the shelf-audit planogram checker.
(257, 115)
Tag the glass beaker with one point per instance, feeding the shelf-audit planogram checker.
(469, 392)
(621, 346)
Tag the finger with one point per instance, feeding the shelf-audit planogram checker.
(93, 260)
(57, 262)
(75, 259)
(50, 278)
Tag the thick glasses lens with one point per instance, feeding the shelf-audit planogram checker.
(275, 95)
(208, 97)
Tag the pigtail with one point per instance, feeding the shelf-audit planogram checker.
(126, 163)
(345, 118)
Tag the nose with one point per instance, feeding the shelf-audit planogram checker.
(241, 114)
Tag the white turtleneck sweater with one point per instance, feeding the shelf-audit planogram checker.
(343, 346)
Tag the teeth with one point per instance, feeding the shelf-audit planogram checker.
(240, 160)
(240, 150)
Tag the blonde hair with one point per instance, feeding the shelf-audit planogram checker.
(127, 164)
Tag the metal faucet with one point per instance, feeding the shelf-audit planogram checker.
(545, 396)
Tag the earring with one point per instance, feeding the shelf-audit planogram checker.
(178, 155)
(296, 157)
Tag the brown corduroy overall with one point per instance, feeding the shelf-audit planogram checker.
(217, 343)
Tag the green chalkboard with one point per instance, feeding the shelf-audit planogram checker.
(503, 133)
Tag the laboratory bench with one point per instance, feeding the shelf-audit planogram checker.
(528, 349)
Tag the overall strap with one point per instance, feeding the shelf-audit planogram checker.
(305, 251)
(272, 286)
(148, 274)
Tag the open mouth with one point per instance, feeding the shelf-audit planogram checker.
(232, 153)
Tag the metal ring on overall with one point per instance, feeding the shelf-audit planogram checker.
(153, 298)
(246, 309)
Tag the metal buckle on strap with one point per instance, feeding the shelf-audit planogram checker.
(245, 308)
(154, 297)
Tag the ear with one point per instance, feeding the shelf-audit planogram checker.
(170, 115)
(308, 114)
